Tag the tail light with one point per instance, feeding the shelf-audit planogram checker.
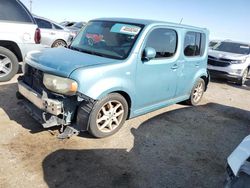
(38, 36)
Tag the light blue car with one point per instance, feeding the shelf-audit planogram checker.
(114, 70)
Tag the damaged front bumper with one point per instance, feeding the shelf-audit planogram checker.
(48, 111)
(51, 106)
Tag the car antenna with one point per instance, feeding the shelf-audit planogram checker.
(181, 20)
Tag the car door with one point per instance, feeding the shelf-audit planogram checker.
(193, 61)
(47, 31)
(156, 79)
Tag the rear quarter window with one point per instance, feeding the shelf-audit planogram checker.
(195, 44)
(43, 24)
(12, 10)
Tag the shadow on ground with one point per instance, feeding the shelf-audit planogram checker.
(186, 147)
(15, 112)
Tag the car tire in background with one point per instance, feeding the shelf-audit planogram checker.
(243, 78)
(8, 64)
(108, 115)
(59, 43)
(243, 181)
(197, 92)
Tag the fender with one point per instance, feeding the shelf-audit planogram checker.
(238, 158)
(201, 73)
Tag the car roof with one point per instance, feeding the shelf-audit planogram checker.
(39, 17)
(233, 41)
(148, 22)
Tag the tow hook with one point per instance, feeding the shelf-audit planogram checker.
(68, 132)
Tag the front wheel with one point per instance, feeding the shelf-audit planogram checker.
(197, 92)
(108, 115)
(243, 78)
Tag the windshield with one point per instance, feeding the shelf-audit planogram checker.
(78, 25)
(108, 39)
(232, 47)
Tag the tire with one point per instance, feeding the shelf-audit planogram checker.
(59, 43)
(8, 64)
(196, 93)
(108, 115)
(243, 181)
(243, 78)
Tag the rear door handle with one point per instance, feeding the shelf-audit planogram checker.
(174, 67)
(52, 33)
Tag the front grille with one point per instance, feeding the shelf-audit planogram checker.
(218, 62)
(33, 78)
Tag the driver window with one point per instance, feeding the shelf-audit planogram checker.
(164, 41)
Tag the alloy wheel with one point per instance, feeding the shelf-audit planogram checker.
(110, 116)
(5, 65)
(198, 92)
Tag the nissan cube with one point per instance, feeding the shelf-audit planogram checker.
(114, 70)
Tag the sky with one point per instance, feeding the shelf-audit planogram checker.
(225, 19)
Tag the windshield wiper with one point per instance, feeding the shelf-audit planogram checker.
(87, 51)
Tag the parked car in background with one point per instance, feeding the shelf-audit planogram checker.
(212, 43)
(19, 34)
(139, 66)
(238, 166)
(53, 34)
(77, 27)
(230, 60)
(67, 23)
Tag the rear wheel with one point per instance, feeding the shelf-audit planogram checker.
(59, 43)
(8, 64)
(197, 92)
(108, 115)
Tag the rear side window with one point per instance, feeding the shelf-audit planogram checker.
(43, 24)
(164, 41)
(57, 27)
(12, 10)
(194, 44)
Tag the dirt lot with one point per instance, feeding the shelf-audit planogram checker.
(179, 146)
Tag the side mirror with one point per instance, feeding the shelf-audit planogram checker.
(149, 53)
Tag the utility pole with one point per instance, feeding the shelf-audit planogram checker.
(30, 5)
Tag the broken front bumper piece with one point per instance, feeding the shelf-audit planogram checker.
(49, 112)
(51, 106)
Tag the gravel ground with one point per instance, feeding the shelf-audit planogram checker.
(178, 146)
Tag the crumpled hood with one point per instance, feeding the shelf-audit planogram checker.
(226, 55)
(63, 61)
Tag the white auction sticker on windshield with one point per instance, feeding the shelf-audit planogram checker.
(246, 47)
(126, 29)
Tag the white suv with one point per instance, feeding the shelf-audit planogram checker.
(230, 60)
(19, 34)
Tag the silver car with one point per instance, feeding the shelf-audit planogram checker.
(238, 166)
(230, 60)
(52, 33)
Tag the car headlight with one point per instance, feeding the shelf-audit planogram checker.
(238, 61)
(61, 85)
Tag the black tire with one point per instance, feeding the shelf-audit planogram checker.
(243, 181)
(12, 66)
(192, 100)
(97, 112)
(59, 43)
(243, 78)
